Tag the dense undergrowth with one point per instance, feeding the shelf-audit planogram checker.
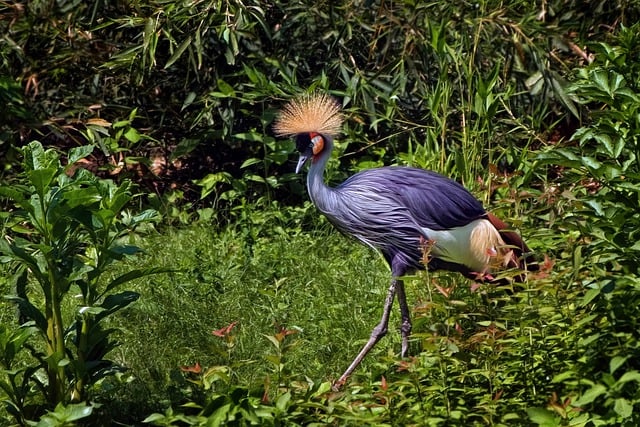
(178, 277)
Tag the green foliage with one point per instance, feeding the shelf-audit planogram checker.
(66, 229)
(602, 175)
(454, 86)
(483, 91)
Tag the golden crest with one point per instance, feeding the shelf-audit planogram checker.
(316, 112)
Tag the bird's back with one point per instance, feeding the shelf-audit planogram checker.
(390, 208)
(432, 200)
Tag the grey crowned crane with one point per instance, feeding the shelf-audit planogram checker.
(396, 210)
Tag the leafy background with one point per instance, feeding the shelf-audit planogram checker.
(534, 106)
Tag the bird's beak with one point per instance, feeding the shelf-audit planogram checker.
(301, 161)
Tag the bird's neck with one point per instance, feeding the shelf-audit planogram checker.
(321, 195)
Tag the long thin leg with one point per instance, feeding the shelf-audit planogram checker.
(378, 332)
(405, 327)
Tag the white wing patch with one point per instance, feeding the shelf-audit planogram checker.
(477, 245)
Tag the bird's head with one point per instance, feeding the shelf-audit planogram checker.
(309, 145)
(314, 119)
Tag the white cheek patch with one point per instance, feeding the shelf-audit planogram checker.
(318, 144)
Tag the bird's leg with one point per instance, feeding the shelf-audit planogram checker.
(405, 327)
(378, 332)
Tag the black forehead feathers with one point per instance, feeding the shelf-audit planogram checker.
(303, 142)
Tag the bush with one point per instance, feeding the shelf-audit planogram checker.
(66, 229)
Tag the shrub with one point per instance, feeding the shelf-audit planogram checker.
(66, 229)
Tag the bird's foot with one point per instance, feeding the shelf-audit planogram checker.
(337, 385)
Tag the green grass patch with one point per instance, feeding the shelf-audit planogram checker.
(480, 354)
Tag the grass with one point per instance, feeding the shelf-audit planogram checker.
(329, 291)
(323, 286)
(481, 356)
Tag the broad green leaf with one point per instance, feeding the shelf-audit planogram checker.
(601, 80)
(563, 376)
(543, 417)
(191, 96)
(132, 135)
(210, 182)
(12, 341)
(561, 92)
(226, 89)
(36, 157)
(630, 376)
(17, 196)
(255, 178)
(41, 179)
(591, 163)
(82, 197)
(144, 216)
(283, 401)
(91, 310)
(623, 407)
(155, 418)
(65, 415)
(20, 254)
(596, 205)
(590, 395)
(616, 362)
(78, 153)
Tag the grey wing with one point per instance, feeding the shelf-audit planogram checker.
(429, 199)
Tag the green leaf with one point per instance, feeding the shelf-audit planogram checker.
(82, 197)
(596, 205)
(616, 363)
(630, 376)
(155, 417)
(283, 401)
(601, 80)
(144, 216)
(590, 395)
(179, 51)
(543, 417)
(184, 147)
(191, 96)
(591, 163)
(132, 135)
(65, 415)
(135, 274)
(623, 407)
(41, 179)
(226, 89)
(250, 162)
(12, 341)
(78, 153)
(210, 182)
(16, 195)
(249, 136)
(36, 157)
(560, 90)
(114, 303)
(125, 249)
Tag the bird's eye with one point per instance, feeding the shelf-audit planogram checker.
(317, 143)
